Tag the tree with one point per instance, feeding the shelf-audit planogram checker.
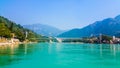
(20, 35)
(4, 31)
(107, 38)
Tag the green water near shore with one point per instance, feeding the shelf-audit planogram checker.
(60, 55)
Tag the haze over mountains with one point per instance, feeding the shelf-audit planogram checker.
(44, 29)
(109, 26)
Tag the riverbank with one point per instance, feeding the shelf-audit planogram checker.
(7, 43)
(13, 41)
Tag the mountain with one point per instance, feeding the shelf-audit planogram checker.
(44, 29)
(109, 26)
(8, 29)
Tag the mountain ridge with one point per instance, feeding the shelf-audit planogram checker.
(108, 26)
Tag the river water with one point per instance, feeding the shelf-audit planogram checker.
(60, 55)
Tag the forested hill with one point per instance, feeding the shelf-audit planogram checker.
(108, 26)
(9, 28)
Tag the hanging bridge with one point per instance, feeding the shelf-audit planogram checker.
(57, 39)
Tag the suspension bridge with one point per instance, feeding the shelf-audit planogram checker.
(57, 39)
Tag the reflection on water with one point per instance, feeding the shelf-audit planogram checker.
(60, 54)
(10, 54)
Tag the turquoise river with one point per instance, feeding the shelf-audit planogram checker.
(60, 55)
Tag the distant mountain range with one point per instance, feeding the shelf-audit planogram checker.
(109, 26)
(45, 30)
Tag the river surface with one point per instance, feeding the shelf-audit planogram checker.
(60, 55)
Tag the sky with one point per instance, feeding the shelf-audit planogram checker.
(63, 14)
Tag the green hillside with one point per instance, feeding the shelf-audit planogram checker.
(9, 28)
(109, 26)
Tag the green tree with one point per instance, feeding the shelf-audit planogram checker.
(4, 31)
(107, 38)
(20, 35)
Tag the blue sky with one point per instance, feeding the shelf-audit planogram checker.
(63, 14)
